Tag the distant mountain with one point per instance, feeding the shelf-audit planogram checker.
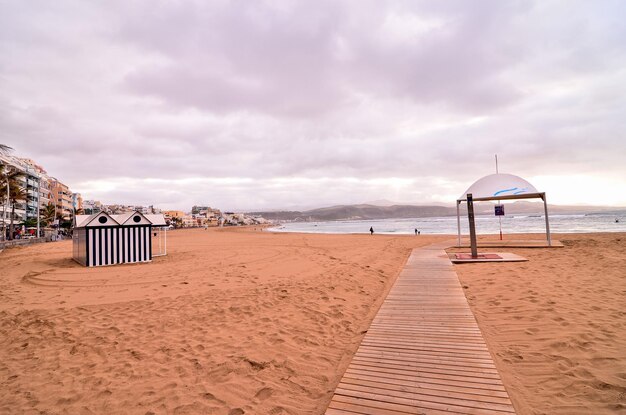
(365, 211)
(370, 211)
(382, 202)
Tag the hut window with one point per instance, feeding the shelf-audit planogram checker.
(102, 219)
(137, 219)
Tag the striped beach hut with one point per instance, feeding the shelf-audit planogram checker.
(103, 239)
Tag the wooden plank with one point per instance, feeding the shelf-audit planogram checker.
(427, 340)
(420, 395)
(477, 388)
(426, 347)
(354, 406)
(439, 368)
(424, 352)
(431, 359)
(425, 384)
(373, 407)
(424, 374)
(435, 355)
(411, 406)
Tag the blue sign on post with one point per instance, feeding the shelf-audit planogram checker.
(499, 210)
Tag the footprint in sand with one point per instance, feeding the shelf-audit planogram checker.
(264, 393)
(210, 397)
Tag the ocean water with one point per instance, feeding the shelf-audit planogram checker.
(484, 225)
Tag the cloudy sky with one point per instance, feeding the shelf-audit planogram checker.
(254, 105)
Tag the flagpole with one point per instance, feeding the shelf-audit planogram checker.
(499, 217)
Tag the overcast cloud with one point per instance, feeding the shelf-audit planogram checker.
(254, 105)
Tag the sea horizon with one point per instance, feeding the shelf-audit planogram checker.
(447, 225)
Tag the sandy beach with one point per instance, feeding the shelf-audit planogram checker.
(556, 325)
(247, 321)
(230, 322)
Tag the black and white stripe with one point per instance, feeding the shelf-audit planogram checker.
(118, 245)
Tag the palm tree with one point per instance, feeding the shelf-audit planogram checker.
(30, 222)
(4, 149)
(8, 180)
(47, 214)
(16, 193)
(178, 222)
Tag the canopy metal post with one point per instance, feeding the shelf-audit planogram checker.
(458, 221)
(545, 208)
(472, 228)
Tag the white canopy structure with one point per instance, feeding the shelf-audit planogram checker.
(501, 186)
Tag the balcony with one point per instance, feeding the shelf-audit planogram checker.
(19, 206)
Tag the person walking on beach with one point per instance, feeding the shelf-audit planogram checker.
(371, 230)
(415, 231)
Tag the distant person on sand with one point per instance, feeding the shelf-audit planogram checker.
(371, 230)
(415, 231)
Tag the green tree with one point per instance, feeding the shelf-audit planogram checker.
(30, 223)
(10, 189)
(16, 194)
(4, 149)
(46, 215)
(177, 222)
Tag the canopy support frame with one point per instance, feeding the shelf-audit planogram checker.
(541, 196)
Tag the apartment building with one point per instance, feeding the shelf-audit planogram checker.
(29, 182)
(174, 214)
(62, 197)
(92, 206)
(77, 202)
(45, 196)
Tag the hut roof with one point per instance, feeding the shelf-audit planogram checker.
(156, 219)
(97, 219)
(124, 219)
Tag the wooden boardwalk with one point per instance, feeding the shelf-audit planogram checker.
(424, 352)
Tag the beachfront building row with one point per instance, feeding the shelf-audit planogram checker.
(92, 206)
(200, 216)
(242, 219)
(25, 206)
(119, 209)
(34, 191)
(207, 217)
